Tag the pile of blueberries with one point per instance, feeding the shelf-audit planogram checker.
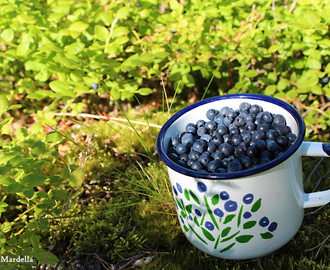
(232, 140)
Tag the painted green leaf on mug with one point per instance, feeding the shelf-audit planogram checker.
(239, 218)
(227, 248)
(194, 197)
(230, 237)
(208, 235)
(185, 228)
(196, 221)
(225, 231)
(244, 238)
(266, 235)
(179, 204)
(188, 208)
(215, 199)
(249, 224)
(229, 218)
(210, 213)
(256, 206)
(183, 214)
(217, 242)
(186, 194)
(197, 235)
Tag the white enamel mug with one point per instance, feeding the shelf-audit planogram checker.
(246, 214)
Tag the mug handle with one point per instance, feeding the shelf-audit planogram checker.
(316, 149)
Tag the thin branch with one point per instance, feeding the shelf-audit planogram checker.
(292, 6)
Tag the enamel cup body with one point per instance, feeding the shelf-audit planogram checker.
(245, 214)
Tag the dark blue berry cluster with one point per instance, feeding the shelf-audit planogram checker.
(232, 140)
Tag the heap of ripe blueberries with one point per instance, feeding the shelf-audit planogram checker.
(232, 140)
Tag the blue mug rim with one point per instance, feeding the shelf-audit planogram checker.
(252, 171)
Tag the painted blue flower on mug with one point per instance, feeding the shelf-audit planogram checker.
(230, 206)
(218, 212)
(248, 198)
(201, 187)
(179, 187)
(224, 195)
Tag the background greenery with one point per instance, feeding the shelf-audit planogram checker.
(150, 59)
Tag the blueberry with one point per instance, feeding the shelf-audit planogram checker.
(255, 109)
(281, 129)
(227, 139)
(200, 123)
(211, 147)
(233, 130)
(228, 120)
(138, 5)
(291, 137)
(196, 166)
(221, 170)
(271, 134)
(194, 155)
(260, 145)
(206, 137)
(218, 156)
(211, 125)
(173, 31)
(239, 120)
(272, 145)
(225, 162)
(249, 126)
(213, 165)
(234, 166)
(263, 127)
(173, 156)
(184, 157)
(266, 117)
(246, 136)
(224, 195)
(232, 114)
(325, 80)
(223, 111)
(201, 131)
(222, 129)
(181, 163)
(187, 139)
(204, 160)
(247, 162)
(191, 128)
(252, 151)
(211, 113)
(227, 149)
(279, 119)
(95, 86)
(236, 139)
(218, 118)
(258, 135)
(182, 149)
(190, 162)
(244, 106)
(249, 118)
(217, 139)
(175, 141)
(199, 146)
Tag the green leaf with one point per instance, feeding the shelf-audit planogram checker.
(14, 188)
(244, 238)
(270, 90)
(312, 17)
(41, 254)
(78, 26)
(29, 193)
(208, 235)
(282, 84)
(225, 231)
(256, 206)
(188, 80)
(313, 64)
(274, 48)
(317, 90)
(38, 149)
(229, 218)
(5, 227)
(3, 170)
(34, 180)
(22, 49)
(101, 32)
(249, 224)
(58, 86)
(145, 91)
(53, 137)
(120, 31)
(123, 12)
(292, 93)
(215, 199)
(69, 63)
(77, 177)
(8, 34)
(251, 73)
(106, 18)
